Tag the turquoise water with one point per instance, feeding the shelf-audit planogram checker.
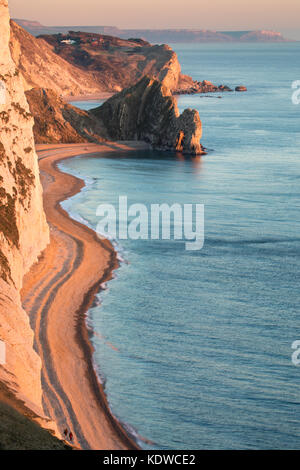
(86, 105)
(195, 347)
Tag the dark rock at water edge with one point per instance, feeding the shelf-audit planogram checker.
(241, 88)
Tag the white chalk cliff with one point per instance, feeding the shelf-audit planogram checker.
(23, 229)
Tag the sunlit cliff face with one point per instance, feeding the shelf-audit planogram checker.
(23, 229)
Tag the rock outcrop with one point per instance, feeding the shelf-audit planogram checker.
(149, 112)
(120, 63)
(55, 121)
(23, 229)
(241, 88)
(188, 86)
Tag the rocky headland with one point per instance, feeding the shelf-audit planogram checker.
(116, 63)
(89, 64)
(148, 112)
(40, 67)
(145, 112)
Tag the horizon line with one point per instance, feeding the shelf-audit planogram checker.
(143, 29)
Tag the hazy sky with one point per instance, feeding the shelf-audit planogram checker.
(216, 14)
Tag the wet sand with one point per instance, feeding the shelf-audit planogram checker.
(56, 294)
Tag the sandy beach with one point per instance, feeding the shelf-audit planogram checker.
(56, 294)
(104, 95)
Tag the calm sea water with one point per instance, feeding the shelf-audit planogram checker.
(86, 105)
(195, 347)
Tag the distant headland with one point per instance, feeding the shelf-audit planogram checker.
(159, 35)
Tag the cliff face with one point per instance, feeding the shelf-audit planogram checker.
(23, 228)
(87, 64)
(55, 121)
(116, 63)
(170, 72)
(40, 66)
(148, 111)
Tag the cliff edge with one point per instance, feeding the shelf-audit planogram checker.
(24, 232)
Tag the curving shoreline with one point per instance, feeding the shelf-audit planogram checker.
(57, 293)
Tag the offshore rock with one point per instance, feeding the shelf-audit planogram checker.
(188, 86)
(240, 88)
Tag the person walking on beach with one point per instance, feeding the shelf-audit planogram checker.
(66, 432)
(71, 436)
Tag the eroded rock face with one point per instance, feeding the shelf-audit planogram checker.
(23, 228)
(41, 67)
(87, 64)
(116, 63)
(149, 112)
(55, 121)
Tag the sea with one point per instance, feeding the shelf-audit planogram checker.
(198, 349)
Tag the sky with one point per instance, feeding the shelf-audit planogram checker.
(277, 15)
